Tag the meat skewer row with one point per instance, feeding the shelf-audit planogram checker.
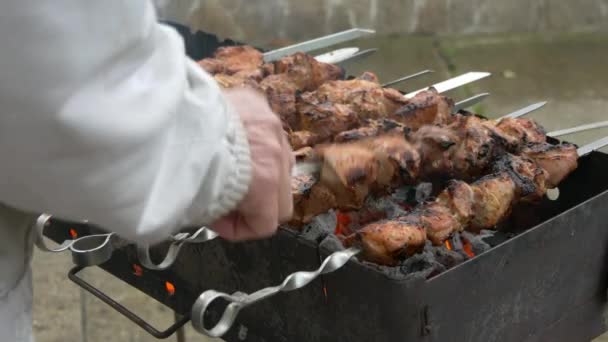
(329, 106)
(463, 150)
(472, 207)
(280, 81)
(341, 106)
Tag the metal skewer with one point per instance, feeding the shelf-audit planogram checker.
(358, 55)
(471, 101)
(453, 83)
(317, 43)
(526, 110)
(578, 129)
(344, 55)
(337, 56)
(407, 78)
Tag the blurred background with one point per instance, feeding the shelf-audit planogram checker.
(537, 50)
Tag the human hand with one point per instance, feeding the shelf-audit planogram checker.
(268, 201)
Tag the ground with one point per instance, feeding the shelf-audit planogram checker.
(569, 71)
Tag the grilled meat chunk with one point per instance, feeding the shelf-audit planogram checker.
(230, 60)
(325, 120)
(305, 72)
(427, 107)
(372, 128)
(388, 241)
(558, 160)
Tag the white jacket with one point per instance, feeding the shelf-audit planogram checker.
(102, 117)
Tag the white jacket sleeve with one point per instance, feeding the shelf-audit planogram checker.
(102, 117)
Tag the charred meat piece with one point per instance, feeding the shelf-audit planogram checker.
(281, 95)
(305, 72)
(231, 60)
(372, 128)
(326, 119)
(427, 107)
(311, 198)
(521, 131)
(558, 160)
(387, 242)
(459, 198)
(494, 197)
(304, 139)
(366, 98)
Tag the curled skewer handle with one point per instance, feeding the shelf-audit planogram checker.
(239, 300)
(86, 251)
(203, 234)
(41, 223)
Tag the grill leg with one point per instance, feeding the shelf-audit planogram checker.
(180, 333)
(84, 334)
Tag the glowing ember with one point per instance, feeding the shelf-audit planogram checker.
(170, 288)
(448, 245)
(406, 207)
(325, 291)
(342, 222)
(73, 233)
(468, 248)
(137, 270)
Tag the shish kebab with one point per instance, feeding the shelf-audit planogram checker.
(337, 107)
(335, 261)
(467, 206)
(462, 149)
(280, 81)
(205, 234)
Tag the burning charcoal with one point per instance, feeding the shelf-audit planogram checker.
(496, 238)
(386, 205)
(478, 244)
(405, 194)
(422, 265)
(423, 192)
(413, 195)
(448, 258)
(331, 243)
(321, 226)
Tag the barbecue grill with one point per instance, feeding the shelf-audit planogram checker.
(540, 277)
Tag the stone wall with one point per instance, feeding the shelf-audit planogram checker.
(264, 21)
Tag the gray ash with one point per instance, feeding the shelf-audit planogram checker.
(321, 227)
(478, 242)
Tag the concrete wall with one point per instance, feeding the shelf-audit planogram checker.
(266, 20)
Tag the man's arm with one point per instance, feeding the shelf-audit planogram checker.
(104, 118)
